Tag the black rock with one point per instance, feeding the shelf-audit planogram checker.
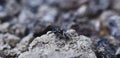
(104, 50)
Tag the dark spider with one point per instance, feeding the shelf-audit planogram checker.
(54, 29)
(59, 32)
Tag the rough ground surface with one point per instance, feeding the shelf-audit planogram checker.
(50, 46)
(23, 23)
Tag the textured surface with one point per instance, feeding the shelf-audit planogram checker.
(50, 46)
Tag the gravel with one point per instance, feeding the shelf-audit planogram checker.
(59, 29)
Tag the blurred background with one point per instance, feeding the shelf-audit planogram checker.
(97, 19)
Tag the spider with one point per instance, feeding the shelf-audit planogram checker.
(59, 33)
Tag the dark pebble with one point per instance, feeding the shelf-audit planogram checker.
(104, 50)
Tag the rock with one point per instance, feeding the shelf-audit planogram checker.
(82, 2)
(30, 54)
(18, 29)
(112, 41)
(49, 46)
(23, 44)
(95, 7)
(3, 12)
(47, 13)
(65, 19)
(71, 4)
(4, 27)
(118, 51)
(2, 43)
(11, 40)
(103, 4)
(2, 54)
(10, 6)
(106, 14)
(32, 3)
(52, 2)
(19, 48)
(68, 4)
(114, 25)
(1, 57)
(92, 8)
(81, 10)
(11, 52)
(44, 28)
(72, 33)
(116, 4)
(104, 50)
(26, 17)
(64, 4)
(96, 24)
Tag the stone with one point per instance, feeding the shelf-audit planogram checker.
(95, 7)
(81, 10)
(104, 50)
(3, 12)
(32, 3)
(26, 16)
(10, 6)
(2, 43)
(48, 46)
(64, 4)
(114, 25)
(106, 14)
(11, 40)
(47, 13)
(2, 54)
(118, 51)
(4, 27)
(18, 29)
(116, 4)
(23, 44)
(68, 4)
(12, 52)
